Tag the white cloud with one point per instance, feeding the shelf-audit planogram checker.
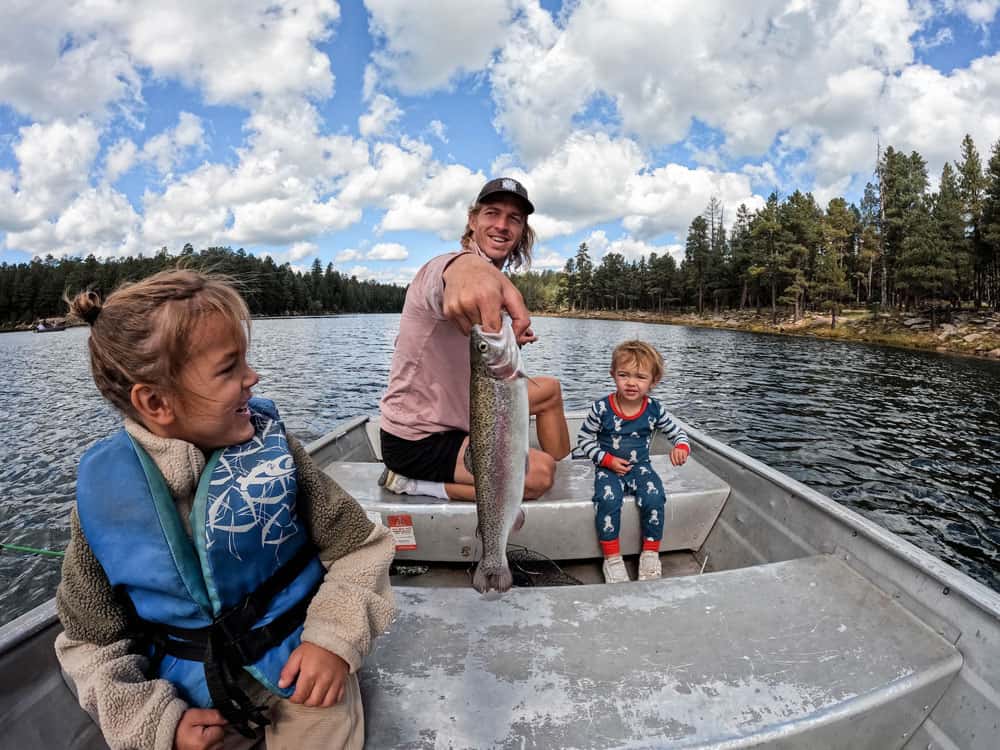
(346, 256)
(301, 250)
(978, 11)
(399, 276)
(54, 163)
(387, 251)
(382, 114)
(62, 60)
(437, 204)
(439, 130)
(424, 47)
(99, 221)
(547, 259)
(632, 249)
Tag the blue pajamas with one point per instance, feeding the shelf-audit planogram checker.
(609, 491)
(607, 432)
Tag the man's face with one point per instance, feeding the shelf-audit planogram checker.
(498, 227)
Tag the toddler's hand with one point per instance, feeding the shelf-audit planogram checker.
(318, 674)
(619, 466)
(199, 729)
(678, 456)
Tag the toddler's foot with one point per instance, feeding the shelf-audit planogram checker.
(649, 565)
(614, 570)
(397, 482)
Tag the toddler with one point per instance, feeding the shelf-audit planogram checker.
(616, 436)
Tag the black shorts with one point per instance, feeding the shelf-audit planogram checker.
(431, 458)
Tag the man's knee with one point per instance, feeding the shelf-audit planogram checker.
(547, 393)
(541, 475)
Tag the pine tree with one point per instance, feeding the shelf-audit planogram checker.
(971, 187)
(950, 226)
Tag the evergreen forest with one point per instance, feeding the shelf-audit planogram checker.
(33, 291)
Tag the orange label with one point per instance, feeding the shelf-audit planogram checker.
(402, 531)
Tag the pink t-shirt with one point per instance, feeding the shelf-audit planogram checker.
(429, 378)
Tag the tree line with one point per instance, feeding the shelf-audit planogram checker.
(903, 247)
(34, 290)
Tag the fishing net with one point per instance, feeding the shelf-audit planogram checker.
(531, 568)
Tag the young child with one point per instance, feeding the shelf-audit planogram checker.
(616, 436)
(216, 582)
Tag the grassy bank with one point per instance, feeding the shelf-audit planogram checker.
(969, 332)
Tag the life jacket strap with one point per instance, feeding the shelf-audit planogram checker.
(231, 642)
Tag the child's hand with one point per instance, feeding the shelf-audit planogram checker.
(318, 674)
(678, 456)
(199, 729)
(619, 466)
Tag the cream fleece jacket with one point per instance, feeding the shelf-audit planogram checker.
(353, 605)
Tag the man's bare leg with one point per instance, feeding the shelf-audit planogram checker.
(545, 402)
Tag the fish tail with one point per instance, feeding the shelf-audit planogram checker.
(494, 577)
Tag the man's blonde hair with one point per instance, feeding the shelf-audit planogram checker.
(143, 331)
(642, 354)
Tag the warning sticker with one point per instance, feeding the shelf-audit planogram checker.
(402, 530)
(374, 516)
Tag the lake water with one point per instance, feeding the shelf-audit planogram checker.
(909, 439)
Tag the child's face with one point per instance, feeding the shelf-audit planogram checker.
(211, 409)
(633, 380)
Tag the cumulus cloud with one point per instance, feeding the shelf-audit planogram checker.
(65, 60)
(382, 113)
(632, 249)
(978, 11)
(347, 256)
(439, 130)
(387, 251)
(423, 48)
(398, 276)
(301, 250)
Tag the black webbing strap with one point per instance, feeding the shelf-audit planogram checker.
(231, 641)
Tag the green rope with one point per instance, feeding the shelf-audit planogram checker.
(31, 550)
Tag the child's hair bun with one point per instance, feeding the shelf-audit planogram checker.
(86, 306)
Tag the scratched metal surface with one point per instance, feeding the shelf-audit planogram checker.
(788, 654)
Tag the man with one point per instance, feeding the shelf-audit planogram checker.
(425, 411)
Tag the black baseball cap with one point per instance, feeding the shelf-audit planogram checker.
(506, 185)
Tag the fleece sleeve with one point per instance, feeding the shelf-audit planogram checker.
(108, 675)
(354, 603)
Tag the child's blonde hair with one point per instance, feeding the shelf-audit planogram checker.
(642, 354)
(142, 332)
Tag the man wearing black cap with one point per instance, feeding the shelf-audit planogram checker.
(425, 411)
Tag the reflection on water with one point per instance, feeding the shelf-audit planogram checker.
(910, 440)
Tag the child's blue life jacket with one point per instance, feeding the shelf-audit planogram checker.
(236, 596)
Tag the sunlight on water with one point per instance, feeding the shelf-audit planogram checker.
(910, 440)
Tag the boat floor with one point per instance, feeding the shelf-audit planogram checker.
(437, 574)
(803, 653)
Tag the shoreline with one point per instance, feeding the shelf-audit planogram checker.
(970, 333)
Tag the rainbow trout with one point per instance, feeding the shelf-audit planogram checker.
(498, 447)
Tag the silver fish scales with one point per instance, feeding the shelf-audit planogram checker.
(498, 447)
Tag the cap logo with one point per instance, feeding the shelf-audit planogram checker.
(510, 186)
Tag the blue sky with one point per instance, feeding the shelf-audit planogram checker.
(358, 132)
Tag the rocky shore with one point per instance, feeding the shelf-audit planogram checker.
(968, 332)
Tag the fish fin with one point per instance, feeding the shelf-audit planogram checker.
(527, 464)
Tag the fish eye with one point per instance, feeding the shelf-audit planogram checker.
(483, 346)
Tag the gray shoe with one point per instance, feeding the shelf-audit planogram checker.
(614, 570)
(649, 565)
(397, 483)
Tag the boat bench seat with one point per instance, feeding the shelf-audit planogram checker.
(559, 524)
(801, 653)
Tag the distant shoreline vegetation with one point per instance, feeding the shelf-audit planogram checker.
(30, 292)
